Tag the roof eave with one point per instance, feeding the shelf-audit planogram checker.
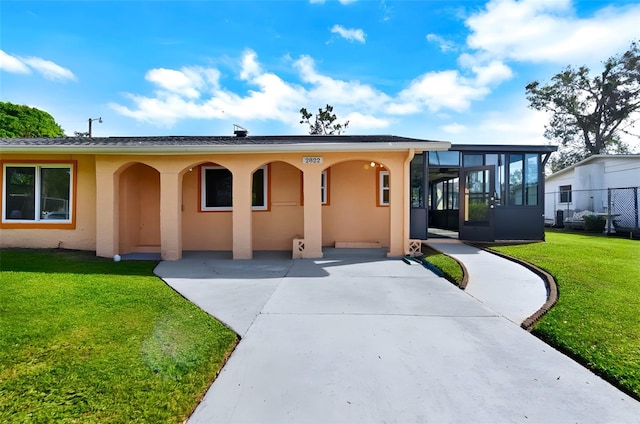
(232, 149)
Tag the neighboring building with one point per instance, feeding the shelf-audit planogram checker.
(605, 184)
(118, 195)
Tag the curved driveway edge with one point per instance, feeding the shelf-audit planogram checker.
(373, 340)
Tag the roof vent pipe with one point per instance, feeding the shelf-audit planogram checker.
(240, 131)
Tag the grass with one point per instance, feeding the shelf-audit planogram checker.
(597, 317)
(449, 266)
(89, 340)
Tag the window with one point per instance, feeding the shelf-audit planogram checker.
(444, 158)
(565, 194)
(37, 193)
(523, 179)
(217, 189)
(497, 161)
(324, 187)
(417, 181)
(383, 188)
(445, 194)
(259, 189)
(515, 179)
(531, 180)
(472, 159)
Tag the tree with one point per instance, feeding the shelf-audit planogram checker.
(589, 115)
(324, 122)
(24, 121)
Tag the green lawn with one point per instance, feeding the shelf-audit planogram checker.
(597, 317)
(84, 339)
(449, 266)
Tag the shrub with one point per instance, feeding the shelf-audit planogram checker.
(594, 223)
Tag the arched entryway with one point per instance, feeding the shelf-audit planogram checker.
(277, 206)
(139, 209)
(356, 204)
(207, 222)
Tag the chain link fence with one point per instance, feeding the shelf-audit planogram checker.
(619, 206)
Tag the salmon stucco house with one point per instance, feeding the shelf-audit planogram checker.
(166, 195)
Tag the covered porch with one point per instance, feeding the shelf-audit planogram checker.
(241, 204)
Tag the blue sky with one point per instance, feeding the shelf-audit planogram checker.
(441, 70)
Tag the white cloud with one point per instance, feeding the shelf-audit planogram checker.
(359, 121)
(350, 34)
(491, 74)
(454, 128)
(443, 45)
(48, 69)
(338, 92)
(12, 64)
(345, 2)
(198, 93)
(186, 82)
(449, 89)
(550, 31)
(516, 124)
(250, 66)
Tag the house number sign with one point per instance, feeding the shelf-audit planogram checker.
(312, 159)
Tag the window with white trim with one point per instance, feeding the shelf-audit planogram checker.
(37, 193)
(217, 189)
(324, 187)
(383, 188)
(565, 194)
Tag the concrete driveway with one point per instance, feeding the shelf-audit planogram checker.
(358, 338)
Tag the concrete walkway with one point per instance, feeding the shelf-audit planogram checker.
(505, 287)
(365, 339)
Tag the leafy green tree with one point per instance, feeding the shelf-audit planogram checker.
(24, 121)
(324, 122)
(590, 115)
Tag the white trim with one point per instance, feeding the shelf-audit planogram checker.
(382, 188)
(324, 188)
(265, 189)
(37, 212)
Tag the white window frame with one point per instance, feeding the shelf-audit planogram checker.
(324, 187)
(382, 188)
(203, 190)
(37, 193)
(265, 189)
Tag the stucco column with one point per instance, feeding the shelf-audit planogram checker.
(312, 213)
(107, 206)
(242, 226)
(170, 216)
(398, 215)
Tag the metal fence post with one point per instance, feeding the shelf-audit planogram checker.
(609, 218)
(635, 199)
